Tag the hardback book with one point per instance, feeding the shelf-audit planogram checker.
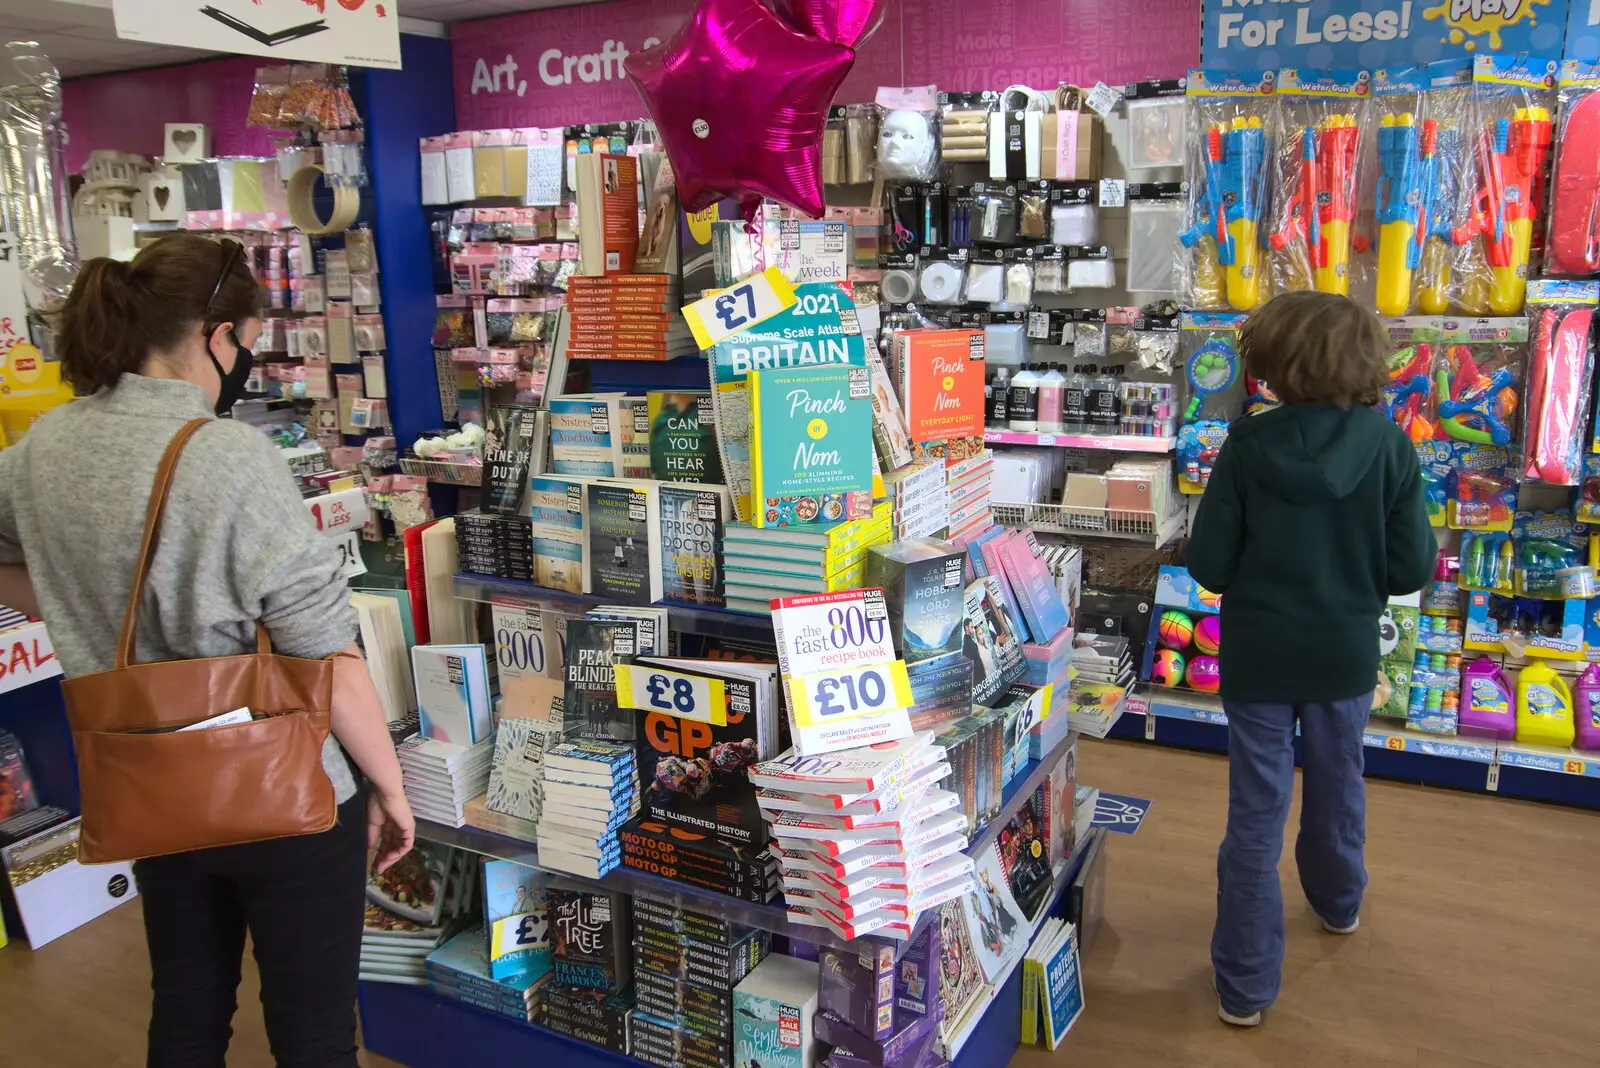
(636, 437)
(683, 437)
(889, 432)
(526, 640)
(991, 643)
(452, 692)
(941, 383)
(693, 773)
(517, 917)
(693, 519)
(924, 591)
(658, 240)
(415, 887)
(587, 435)
(1025, 858)
(1032, 584)
(560, 542)
(593, 647)
(1057, 795)
(591, 933)
(773, 1008)
(810, 445)
(624, 541)
(608, 213)
(507, 457)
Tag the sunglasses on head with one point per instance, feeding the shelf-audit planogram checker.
(232, 251)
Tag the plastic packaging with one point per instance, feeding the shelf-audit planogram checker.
(1408, 399)
(1560, 367)
(1586, 709)
(1155, 124)
(964, 125)
(1511, 146)
(1478, 500)
(1544, 707)
(1230, 114)
(1052, 388)
(1024, 403)
(1104, 400)
(907, 145)
(1486, 709)
(1573, 243)
(1319, 136)
(1153, 228)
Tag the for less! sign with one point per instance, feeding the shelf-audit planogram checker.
(355, 33)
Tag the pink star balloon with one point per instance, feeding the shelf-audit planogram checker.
(740, 100)
(846, 22)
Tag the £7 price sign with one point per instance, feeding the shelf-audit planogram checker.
(726, 312)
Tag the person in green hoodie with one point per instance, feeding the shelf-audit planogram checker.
(1313, 517)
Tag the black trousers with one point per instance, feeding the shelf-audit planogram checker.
(302, 900)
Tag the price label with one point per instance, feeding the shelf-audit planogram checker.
(832, 696)
(511, 934)
(1113, 192)
(349, 548)
(651, 689)
(726, 312)
(1102, 98)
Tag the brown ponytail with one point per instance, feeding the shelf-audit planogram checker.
(119, 313)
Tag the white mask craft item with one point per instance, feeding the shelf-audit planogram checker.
(906, 145)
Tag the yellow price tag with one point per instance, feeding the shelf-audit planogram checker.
(831, 696)
(653, 689)
(512, 934)
(739, 307)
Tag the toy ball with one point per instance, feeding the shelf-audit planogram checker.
(1175, 629)
(1211, 600)
(1204, 674)
(1208, 635)
(1167, 668)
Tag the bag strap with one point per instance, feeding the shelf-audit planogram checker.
(147, 547)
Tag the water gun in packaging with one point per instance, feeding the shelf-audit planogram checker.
(1230, 116)
(1420, 193)
(1323, 117)
(1574, 238)
(1514, 99)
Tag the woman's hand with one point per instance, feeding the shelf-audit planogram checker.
(391, 829)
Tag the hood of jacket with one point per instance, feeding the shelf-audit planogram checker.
(1305, 453)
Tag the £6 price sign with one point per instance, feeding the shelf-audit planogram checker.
(672, 693)
(739, 307)
(829, 696)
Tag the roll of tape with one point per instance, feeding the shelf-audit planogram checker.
(346, 203)
(941, 282)
(899, 287)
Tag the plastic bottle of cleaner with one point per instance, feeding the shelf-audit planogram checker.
(1586, 712)
(1000, 401)
(1544, 707)
(1052, 391)
(1486, 701)
(1025, 400)
(1075, 403)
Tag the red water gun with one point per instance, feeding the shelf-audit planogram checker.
(1323, 207)
(1511, 157)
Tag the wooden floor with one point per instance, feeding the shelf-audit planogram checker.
(1475, 947)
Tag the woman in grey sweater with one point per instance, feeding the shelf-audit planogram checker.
(154, 344)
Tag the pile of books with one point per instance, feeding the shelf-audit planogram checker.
(459, 970)
(626, 317)
(762, 565)
(1104, 675)
(440, 778)
(686, 965)
(412, 908)
(874, 1010)
(868, 842)
(974, 746)
(591, 788)
(968, 480)
(589, 994)
(500, 545)
(1052, 985)
(921, 499)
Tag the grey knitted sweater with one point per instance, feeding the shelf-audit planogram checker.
(237, 545)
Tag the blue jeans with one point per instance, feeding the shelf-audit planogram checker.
(1247, 944)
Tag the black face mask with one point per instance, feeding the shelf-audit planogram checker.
(232, 381)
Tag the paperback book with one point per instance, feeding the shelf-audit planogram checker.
(624, 541)
(507, 456)
(683, 437)
(594, 646)
(608, 213)
(590, 940)
(924, 592)
(517, 916)
(810, 445)
(941, 383)
(999, 928)
(560, 543)
(693, 518)
(587, 434)
(991, 643)
(452, 692)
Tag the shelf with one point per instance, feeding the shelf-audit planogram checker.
(1550, 758)
(1109, 443)
(1017, 791)
(699, 619)
(1079, 522)
(443, 472)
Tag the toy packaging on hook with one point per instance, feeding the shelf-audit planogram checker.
(1420, 193)
(1408, 399)
(1230, 116)
(1560, 366)
(1209, 348)
(1321, 122)
(1183, 642)
(1513, 101)
(1551, 579)
(1572, 245)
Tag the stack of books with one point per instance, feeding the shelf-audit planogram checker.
(877, 1010)
(969, 480)
(974, 746)
(588, 996)
(626, 317)
(591, 788)
(870, 843)
(412, 908)
(921, 499)
(763, 565)
(440, 778)
(459, 970)
(1104, 667)
(686, 965)
(500, 545)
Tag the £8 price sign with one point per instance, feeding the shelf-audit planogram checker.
(727, 312)
(831, 696)
(673, 693)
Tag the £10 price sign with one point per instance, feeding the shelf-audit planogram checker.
(832, 696)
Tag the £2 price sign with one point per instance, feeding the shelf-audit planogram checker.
(672, 693)
(832, 696)
(728, 311)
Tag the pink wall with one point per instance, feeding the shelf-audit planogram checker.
(129, 111)
(955, 44)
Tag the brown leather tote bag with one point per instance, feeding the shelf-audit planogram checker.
(148, 788)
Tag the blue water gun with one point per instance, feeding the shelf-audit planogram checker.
(1235, 153)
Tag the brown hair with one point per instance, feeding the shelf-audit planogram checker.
(1317, 348)
(119, 313)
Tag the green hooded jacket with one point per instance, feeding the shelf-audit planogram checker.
(1313, 518)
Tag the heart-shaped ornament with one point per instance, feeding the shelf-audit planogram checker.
(184, 140)
(161, 194)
